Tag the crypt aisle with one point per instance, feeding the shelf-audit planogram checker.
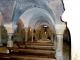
(36, 28)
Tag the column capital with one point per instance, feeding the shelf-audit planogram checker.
(60, 28)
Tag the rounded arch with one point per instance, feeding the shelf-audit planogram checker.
(35, 13)
(31, 16)
(20, 8)
(19, 21)
(37, 23)
(37, 26)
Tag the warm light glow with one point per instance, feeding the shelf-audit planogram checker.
(45, 26)
(45, 32)
(30, 29)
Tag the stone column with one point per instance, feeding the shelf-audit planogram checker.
(59, 47)
(0, 28)
(9, 42)
(36, 35)
(26, 34)
(52, 37)
(32, 35)
(10, 32)
(55, 41)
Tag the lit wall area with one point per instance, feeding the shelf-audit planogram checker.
(19, 32)
(43, 32)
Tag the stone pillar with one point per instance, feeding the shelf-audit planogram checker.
(36, 35)
(9, 28)
(10, 32)
(0, 28)
(55, 41)
(52, 37)
(59, 47)
(26, 32)
(32, 35)
(9, 42)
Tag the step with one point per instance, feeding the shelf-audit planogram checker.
(37, 46)
(32, 50)
(36, 43)
(23, 56)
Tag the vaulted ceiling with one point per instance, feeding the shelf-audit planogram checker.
(12, 9)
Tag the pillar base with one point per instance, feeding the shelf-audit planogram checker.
(7, 51)
(59, 58)
(1, 44)
(9, 43)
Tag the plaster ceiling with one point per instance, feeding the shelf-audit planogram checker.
(36, 15)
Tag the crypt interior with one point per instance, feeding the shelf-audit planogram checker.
(35, 32)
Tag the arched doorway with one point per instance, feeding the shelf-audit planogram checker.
(44, 34)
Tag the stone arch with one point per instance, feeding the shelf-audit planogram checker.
(20, 22)
(41, 17)
(31, 15)
(37, 23)
(32, 8)
(37, 26)
(20, 8)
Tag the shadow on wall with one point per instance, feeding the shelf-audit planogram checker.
(67, 40)
(4, 34)
(19, 32)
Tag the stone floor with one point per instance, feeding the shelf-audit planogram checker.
(65, 50)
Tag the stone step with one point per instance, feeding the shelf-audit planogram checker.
(36, 43)
(41, 47)
(25, 56)
(32, 50)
